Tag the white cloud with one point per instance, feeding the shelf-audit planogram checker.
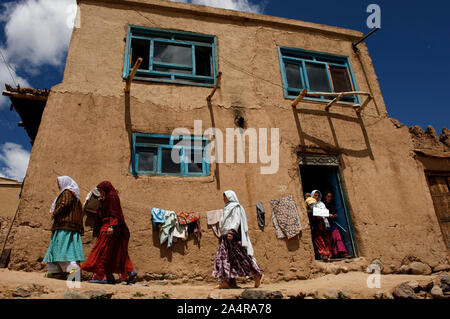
(14, 159)
(239, 5)
(37, 32)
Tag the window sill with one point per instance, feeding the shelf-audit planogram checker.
(167, 178)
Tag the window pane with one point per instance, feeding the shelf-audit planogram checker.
(293, 75)
(341, 81)
(203, 61)
(169, 70)
(140, 48)
(167, 165)
(317, 77)
(153, 140)
(196, 161)
(146, 160)
(170, 53)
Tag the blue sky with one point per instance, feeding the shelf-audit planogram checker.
(411, 55)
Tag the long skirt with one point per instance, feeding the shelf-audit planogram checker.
(321, 238)
(232, 259)
(337, 246)
(65, 251)
(109, 254)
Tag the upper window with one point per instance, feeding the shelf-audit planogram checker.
(156, 154)
(171, 56)
(315, 72)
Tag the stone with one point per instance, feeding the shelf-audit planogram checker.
(421, 295)
(378, 263)
(293, 269)
(331, 294)
(309, 297)
(403, 291)
(98, 294)
(261, 294)
(414, 285)
(419, 268)
(185, 279)
(300, 295)
(426, 285)
(441, 267)
(444, 282)
(280, 273)
(378, 295)
(344, 269)
(73, 294)
(404, 269)
(22, 292)
(215, 295)
(314, 294)
(170, 276)
(198, 278)
(387, 295)
(436, 292)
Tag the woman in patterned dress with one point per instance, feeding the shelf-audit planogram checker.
(235, 254)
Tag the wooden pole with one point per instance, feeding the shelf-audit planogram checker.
(209, 97)
(132, 74)
(299, 97)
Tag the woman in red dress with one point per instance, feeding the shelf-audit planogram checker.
(110, 252)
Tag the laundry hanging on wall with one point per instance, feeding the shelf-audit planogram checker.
(158, 216)
(286, 214)
(166, 231)
(213, 218)
(260, 214)
(192, 220)
(180, 231)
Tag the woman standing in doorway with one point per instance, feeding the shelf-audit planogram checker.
(337, 246)
(110, 252)
(319, 229)
(235, 254)
(65, 251)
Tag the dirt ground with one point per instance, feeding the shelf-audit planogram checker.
(352, 285)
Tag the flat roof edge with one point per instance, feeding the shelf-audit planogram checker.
(201, 10)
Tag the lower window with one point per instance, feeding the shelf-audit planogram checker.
(157, 154)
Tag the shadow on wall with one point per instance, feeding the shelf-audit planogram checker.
(325, 145)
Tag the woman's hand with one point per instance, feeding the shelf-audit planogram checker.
(110, 231)
(229, 237)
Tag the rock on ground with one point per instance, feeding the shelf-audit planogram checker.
(403, 291)
(419, 268)
(261, 294)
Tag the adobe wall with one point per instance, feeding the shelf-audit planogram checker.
(83, 134)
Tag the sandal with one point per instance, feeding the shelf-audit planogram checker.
(131, 277)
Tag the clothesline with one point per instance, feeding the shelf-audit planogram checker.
(205, 210)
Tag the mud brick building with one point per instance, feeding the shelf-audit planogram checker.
(92, 129)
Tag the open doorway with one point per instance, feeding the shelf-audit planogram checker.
(322, 173)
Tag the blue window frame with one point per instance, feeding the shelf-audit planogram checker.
(152, 155)
(171, 56)
(316, 72)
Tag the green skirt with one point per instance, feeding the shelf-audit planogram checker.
(65, 245)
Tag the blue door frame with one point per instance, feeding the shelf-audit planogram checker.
(330, 176)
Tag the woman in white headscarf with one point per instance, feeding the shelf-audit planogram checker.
(320, 235)
(65, 251)
(235, 254)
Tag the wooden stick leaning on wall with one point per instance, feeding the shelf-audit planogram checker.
(132, 74)
(209, 97)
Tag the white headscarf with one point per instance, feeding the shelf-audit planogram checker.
(65, 182)
(320, 204)
(233, 217)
